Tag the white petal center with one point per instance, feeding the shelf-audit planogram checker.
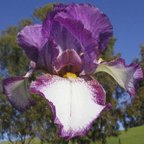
(74, 104)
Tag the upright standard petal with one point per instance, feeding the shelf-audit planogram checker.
(92, 19)
(72, 36)
(90, 27)
(30, 38)
(74, 102)
(67, 42)
(126, 76)
(15, 88)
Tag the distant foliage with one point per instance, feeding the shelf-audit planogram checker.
(41, 13)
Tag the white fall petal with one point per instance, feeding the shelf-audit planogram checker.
(75, 102)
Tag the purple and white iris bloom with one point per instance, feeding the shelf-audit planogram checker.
(67, 46)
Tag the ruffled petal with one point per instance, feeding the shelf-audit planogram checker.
(126, 76)
(64, 38)
(86, 49)
(15, 88)
(83, 18)
(74, 102)
(30, 38)
(78, 38)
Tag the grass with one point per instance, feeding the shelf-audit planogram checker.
(132, 136)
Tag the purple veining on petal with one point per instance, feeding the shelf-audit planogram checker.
(127, 76)
(15, 88)
(42, 84)
(48, 22)
(92, 19)
(87, 45)
(72, 36)
(136, 75)
(30, 38)
(47, 56)
(64, 38)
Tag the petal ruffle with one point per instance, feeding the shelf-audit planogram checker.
(73, 36)
(91, 19)
(74, 102)
(126, 76)
(30, 38)
(15, 88)
(85, 48)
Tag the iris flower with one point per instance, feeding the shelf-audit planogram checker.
(67, 47)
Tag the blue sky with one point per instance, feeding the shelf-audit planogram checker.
(127, 17)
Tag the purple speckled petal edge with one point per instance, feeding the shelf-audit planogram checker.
(48, 80)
